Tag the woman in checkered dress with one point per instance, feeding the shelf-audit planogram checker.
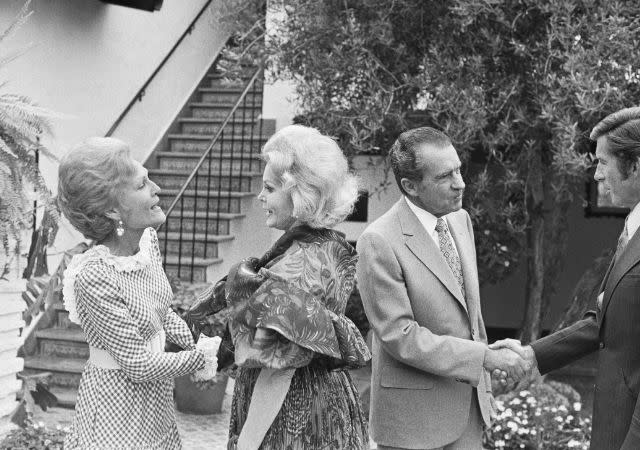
(291, 340)
(118, 292)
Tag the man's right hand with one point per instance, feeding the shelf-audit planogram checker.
(508, 362)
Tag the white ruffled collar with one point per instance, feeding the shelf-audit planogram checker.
(139, 261)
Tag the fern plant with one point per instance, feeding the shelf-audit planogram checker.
(22, 123)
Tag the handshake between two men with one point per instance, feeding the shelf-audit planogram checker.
(509, 361)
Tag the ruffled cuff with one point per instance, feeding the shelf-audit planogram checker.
(209, 346)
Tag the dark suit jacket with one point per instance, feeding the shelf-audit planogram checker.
(615, 333)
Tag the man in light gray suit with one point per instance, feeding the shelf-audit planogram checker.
(418, 279)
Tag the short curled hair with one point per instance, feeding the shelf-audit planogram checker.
(316, 174)
(402, 156)
(622, 131)
(89, 179)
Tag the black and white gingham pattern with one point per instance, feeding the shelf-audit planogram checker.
(131, 407)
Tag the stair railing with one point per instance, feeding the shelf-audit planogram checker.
(138, 97)
(205, 194)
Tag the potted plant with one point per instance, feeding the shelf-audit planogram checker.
(192, 397)
(22, 123)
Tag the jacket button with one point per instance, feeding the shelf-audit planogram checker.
(601, 345)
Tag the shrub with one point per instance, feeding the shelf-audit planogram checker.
(35, 436)
(546, 416)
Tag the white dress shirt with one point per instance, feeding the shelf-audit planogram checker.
(429, 222)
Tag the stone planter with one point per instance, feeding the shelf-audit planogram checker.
(191, 400)
(11, 308)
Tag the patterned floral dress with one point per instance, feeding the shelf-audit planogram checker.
(291, 315)
(122, 303)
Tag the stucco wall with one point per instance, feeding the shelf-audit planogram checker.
(88, 60)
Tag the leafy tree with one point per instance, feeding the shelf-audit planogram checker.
(517, 85)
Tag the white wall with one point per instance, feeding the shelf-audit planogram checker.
(89, 59)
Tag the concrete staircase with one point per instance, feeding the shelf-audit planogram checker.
(61, 351)
(204, 223)
(200, 229)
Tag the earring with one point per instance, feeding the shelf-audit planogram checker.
(120, 228)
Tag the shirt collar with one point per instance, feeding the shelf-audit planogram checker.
(633, 221)
(427, 219)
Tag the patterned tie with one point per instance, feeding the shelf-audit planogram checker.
(623, 240)
(449, 252)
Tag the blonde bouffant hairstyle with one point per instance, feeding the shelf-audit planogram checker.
(90, 177)
(315, 172)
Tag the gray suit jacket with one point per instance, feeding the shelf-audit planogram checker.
(429, 341)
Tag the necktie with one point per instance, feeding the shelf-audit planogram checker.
(449, 253)
(623, 240)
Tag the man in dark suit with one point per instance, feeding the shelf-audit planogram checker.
(613, 329)
(418, 279)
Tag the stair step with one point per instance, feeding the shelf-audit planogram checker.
(230, 95)
(65, 372)
(200, 143)
(62, 334)
(212, 223)
(204, 125)
(201, 245)
(202, 193)
(223, 104)
(187, 270)
(189, 260)
(187, 162)
(67, 397)
(226, 202)
(213, 111)
(175, 179)
(229, 89)
(63, 343)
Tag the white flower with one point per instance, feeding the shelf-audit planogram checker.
(525, 392)
(577, 406)
(512, 425)
(573, 444)
(515, 401)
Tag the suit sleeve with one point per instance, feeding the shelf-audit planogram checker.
(632, 441)
(386, 302)
(567, 345)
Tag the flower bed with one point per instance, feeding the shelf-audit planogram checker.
(546, 416)
(35, 436)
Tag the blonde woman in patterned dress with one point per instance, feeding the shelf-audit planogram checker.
(118, 292)
(291, 340)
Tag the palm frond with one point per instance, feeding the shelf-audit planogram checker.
(18, 21)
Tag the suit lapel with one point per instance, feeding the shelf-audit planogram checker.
(426, 250)
(629, 258)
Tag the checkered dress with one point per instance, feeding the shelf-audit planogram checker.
(122, 303)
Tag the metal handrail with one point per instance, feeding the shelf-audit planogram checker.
(213, 142)
(142, 90)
